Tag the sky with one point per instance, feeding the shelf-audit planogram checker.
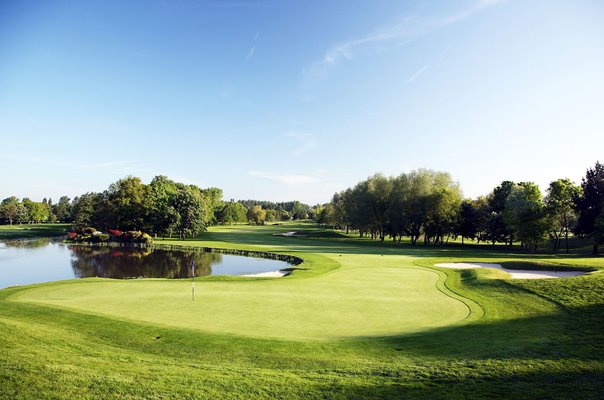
(296, 100)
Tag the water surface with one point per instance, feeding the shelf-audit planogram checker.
(24, 262)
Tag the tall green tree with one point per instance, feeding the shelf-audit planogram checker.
(300, 210)
(83, 209)
(62, 209)
(163, 217)
(256, 215)
(130, 202)
(443, 207)
(497, 230)
(379, 189)
(559, 205)
(190, 205)
(9, 209)
(213, 199)
(232, 212)
(590, 206)
(36, 211)
(415, 208)
(468, 221)
(525, 215)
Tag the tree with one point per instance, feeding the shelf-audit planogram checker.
(590, 206)
(468, 221)
(339, 217)
(191, 208)
(40, 212)
(442, 209)
(129, 202)
(36, 211)
(256, 215)
(213, 198)
(378, 195)
(300, 210)
(62, 209)
(398, 219)
(525, 215)
(22, 215)
(9, 209)
(497, 231)
(559, 206)
(284, 215)
(232, 212)
(325, 214)
(271, 215)
(83, 209)
(163, 216)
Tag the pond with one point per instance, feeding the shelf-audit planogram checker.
(24, 262)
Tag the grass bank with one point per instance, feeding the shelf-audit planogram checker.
(27, 231)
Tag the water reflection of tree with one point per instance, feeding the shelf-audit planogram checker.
(27, 244)
(126, 262)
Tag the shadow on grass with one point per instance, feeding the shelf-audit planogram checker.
(548, 337)
(467, 384)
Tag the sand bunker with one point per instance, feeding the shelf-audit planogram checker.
(270, 274)
(285, 234)
(516, 273)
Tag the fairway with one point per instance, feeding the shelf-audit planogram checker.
(379, 296)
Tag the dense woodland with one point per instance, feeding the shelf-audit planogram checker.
(423, 205)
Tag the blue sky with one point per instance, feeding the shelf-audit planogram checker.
(284, 100)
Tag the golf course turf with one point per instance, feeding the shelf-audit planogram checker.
(359, 319)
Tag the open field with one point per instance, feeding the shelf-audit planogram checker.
(361, 320)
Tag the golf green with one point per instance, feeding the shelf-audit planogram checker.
(371, 295)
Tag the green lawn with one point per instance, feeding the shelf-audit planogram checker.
(361, 320)
(24, 231)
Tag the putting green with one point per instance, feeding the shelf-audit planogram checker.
(370, 295)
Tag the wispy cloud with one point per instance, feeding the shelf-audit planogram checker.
(404, 32)
(253, 48)
(290, 180)
(304, 143)
(417, 74)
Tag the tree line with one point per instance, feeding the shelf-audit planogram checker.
(162, 207)
(423, 205)
(429, 205)
(13, 210)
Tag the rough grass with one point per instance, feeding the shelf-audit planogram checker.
(524, 339)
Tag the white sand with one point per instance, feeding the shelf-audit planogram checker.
(270, 274)
(285, 234)
(516, 273)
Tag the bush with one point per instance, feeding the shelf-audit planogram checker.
(103, 237)
(135, 237)
(91, 235)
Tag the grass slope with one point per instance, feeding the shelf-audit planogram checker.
(525, 339)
